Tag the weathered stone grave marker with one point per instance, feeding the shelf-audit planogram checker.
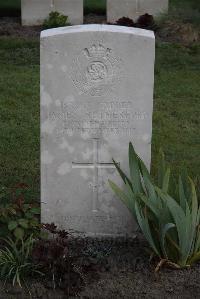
(96, 96)
(34, 12)
(134, 8)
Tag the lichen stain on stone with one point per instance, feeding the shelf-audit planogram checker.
(87, 154)
(84, 174)
(64, 168)
(46, 99)
(46, 157)
(47, 127)
(65, 145)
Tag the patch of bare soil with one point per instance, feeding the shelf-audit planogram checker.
(130, 274)
(12, 27)
(95, 19)
(178, 32)
(116, 269)
(170, 31)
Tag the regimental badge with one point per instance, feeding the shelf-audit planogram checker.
(96, 70)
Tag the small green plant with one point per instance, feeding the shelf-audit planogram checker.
(18, 218)
(55, 20)
(16, 262)
(167, 213)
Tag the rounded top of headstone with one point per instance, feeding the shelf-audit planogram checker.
(97, 28)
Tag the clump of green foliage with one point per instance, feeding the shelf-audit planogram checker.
(55, 20)
(168, 213)
(16, 263)
(19, 218)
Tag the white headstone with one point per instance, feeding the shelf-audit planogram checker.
(132, 9)
(96, 96)
(34, 12)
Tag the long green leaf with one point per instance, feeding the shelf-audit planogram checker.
(150, 204)
(148, 183)
(165, 183)
(122, 174)
(195, 258)
(182, 197)
(130, 203)
(197, 241)
(134, 170)
(144, 225)
(164, 231)
(182, 222)
(194, 216)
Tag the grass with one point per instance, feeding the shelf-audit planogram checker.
(177, 108)
(185, 4)
(10, 4)
(10, 7)
(176, 120)
(19, 113)
(186, 11)
(95, 6)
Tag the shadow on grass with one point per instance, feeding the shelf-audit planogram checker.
(10, 8)
(186, 11)
(95, 6)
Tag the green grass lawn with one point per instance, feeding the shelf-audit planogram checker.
(95, 6)
(10, 7)
(19, 112)
(176, 120)
(10, 4)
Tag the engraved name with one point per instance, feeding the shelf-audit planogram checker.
(109, 118)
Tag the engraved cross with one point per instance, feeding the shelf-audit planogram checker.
(95, 165)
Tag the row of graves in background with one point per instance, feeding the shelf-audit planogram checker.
(96, 96)
(34, 12)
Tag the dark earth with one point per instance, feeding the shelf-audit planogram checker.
(111, 268)
(11, 26)
(182, 33)
(114, 269)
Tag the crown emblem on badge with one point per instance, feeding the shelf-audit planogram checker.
(96, 70)
(97, 50)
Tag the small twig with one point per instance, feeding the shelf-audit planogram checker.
(160, 264)
(168, 263)
(173, 265)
